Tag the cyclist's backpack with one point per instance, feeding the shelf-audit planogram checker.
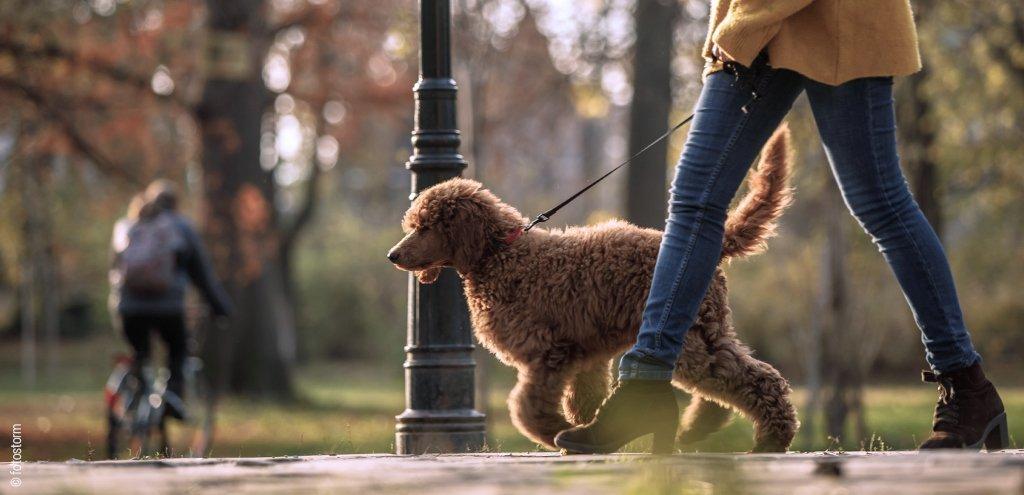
(148, 262)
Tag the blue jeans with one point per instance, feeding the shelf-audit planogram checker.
(857, 125)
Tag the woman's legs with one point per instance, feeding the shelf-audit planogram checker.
(857, 124)
(719, 150)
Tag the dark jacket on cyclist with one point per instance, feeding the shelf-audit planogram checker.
(192, 264)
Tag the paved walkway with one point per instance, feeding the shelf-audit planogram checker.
(856, 472)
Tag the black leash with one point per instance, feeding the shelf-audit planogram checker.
(543, 217)
(746, 76)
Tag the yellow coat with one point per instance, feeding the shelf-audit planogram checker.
(831, 41)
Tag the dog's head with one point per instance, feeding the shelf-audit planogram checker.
(453, 223)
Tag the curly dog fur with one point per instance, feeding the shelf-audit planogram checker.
(559, 305)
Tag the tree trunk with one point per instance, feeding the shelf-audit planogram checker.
(38, 297)
(26, 300)
(813, 366)
(592, 144)
(26, 289)
(646, 182)
(838, 379)
(918, 133)
(255, 355)
(45, 261)
(860, 420)
(811, 339)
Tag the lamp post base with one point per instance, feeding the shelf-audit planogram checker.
(454, 431)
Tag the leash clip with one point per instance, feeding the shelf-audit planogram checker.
(540, 219)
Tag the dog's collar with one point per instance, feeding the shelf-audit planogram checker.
(512, 235)
(497, 245)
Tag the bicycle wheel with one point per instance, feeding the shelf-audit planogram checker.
(191, 435)
(117, 435)
(120, 394)
(200, 407)
(149, 431)
(133, 432)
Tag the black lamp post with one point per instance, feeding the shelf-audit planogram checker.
(439, 366)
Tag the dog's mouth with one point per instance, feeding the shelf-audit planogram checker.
(421, 267)
(426, 273)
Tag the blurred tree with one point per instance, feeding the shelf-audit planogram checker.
(256, 354)
(74, 65)
(655, 23)
(841, 390)
(917, 134)
(850, 342)
(975, 88)
(276, 90)
(590, 43)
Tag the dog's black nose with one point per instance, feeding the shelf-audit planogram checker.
(393, 256)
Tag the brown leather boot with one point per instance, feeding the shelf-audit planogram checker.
(634, 409)
(969, 412)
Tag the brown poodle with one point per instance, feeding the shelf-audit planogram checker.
(559, 305)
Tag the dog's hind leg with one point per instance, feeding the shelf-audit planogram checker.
(586, 391)
(757, 390)
(535, 403)
(702, 418)
(765, 396)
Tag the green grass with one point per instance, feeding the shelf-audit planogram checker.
(346, 409)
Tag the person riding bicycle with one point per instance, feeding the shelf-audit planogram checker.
(156, 251)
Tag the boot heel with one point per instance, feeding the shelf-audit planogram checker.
(999, 437)
(665, 427)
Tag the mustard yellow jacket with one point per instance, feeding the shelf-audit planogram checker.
(831, 41)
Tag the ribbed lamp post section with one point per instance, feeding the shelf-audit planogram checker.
(439, 366)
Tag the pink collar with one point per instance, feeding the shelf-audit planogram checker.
(512, 235)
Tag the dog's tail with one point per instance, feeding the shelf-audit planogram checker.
(752, 222)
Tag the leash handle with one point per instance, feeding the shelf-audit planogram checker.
(747, 76)
(543, 217)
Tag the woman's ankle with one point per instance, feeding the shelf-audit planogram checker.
(633, 367)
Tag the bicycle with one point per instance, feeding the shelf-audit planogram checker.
(137, 409)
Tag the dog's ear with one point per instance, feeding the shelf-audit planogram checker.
(429, 275)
